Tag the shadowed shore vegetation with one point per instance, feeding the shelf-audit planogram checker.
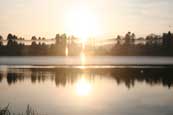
(29, 111)
(63, 45)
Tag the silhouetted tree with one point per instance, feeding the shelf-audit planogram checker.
(34, 38)
(11, 40)
(43, 38)
(127, 38)
(64, 40)
(152, 40)
(167, 39)
(1, 40)
(133, 36)
(57, 38)
(118, 39)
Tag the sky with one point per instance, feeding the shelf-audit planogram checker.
(85, 18)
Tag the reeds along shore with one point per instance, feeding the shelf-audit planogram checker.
(29, 111)
(127, 45)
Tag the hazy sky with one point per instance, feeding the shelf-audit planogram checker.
(107, 17)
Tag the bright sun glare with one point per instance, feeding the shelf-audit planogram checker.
(82, 23)
(83, 87)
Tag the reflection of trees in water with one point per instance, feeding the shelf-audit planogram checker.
(39, 76)
(14, 77)
(1, 77)
(127, 76)
(150, 76)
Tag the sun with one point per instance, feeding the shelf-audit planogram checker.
(83, 87)
(82, 23)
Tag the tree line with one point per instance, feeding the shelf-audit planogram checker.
(159, 45)
(154, 45)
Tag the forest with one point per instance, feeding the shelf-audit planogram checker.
(63, 45)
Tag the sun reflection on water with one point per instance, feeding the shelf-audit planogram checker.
(83, 87)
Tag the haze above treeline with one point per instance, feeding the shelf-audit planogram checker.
(36, 37)
(102, 18)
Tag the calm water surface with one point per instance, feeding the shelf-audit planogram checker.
(88, 91)
(86, 60)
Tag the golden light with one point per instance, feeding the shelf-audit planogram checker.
(82, 23)
(82, 58)
(83, 87)
(66, 51)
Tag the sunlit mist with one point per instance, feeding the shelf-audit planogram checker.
(66, 51)
(83, 87)
(82, 58)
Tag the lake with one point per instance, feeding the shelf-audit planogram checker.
(85, 60)
(75, 89)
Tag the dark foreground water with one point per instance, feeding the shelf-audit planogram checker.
(88, 91)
